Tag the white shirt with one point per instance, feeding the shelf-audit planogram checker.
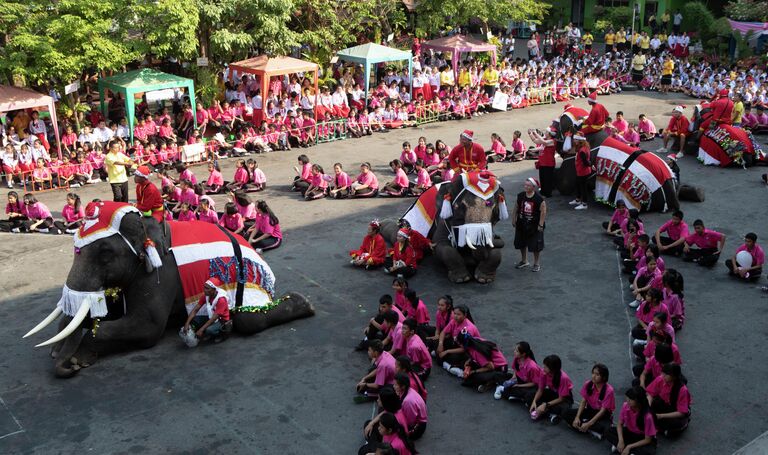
(122, 131)
(40, 153)
(37, 127)
(677, 19)
(103, 135)
(339, 99)
(89, 138)
(256, 102)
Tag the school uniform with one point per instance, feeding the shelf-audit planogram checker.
(370, 181)
(441, 321)
(14, 222)
(399, 186)
(758, 259)
(706, 253)
(36, 212)
(645, 314)
(632, 432)
(417, 351)
(215, 182)
(415, 412)
(72, 218)
(406, 255)
(232, 222)
(275, 235)
(676, 305)
(527, 371)
(477, 360)
(661, 392)
(549, 393)
(452, 330)
(604, 398)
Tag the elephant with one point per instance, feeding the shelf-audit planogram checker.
(722, 144)
(119, 248)
(640, 178)
(460, 216)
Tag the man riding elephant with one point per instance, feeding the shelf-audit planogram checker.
(468, 155)
(156, 269)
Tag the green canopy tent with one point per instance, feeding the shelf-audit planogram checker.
(371, 53)
(142, 81)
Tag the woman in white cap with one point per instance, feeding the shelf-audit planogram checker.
(677, 128)
(402, 257)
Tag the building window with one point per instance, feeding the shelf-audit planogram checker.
(612, 3)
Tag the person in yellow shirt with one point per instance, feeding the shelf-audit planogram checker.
(663, 38)
(115, 162)
(447, 80)
(635, 42)
(738, 110)
(490, 80)
(645, 43)
(665, 21)
(464, 77)
(587, 39)
(666, 74)
(621, 40)
(610, 39)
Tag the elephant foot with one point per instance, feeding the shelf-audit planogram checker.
(459, 276)
(485, 278)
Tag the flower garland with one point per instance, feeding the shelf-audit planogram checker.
(259, 309)
(111, 294)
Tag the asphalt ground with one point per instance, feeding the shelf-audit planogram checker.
(289, 389)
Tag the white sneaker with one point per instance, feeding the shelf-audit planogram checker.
(574, 202)
(44, 230)
(456, 371)
(74, 185)
(639, 342)
(259, 250)
(613, 449)
(71, 231)
(497, 393)
(679, 155)
(634, 304)
(15, 230)
(596, 435)
(661, 150)
(446, 366)
(10, 185)
(581, 206)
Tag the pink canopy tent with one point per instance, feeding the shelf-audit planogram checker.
(458, 44)
(744, 27)
(16, 98)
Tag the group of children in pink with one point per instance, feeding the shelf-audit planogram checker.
(403, 342)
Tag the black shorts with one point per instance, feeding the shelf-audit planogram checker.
(666, 79)
(533, 241)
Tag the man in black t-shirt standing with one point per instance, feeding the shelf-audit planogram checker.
(528, 221)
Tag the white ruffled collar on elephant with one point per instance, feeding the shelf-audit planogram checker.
(71, 301)
(474, 234)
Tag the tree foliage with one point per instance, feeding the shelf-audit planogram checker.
(436, 16)
(747, 10)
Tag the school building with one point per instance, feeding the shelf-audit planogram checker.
(582, 12)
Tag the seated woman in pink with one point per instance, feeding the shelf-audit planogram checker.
(257, 180)
(400, 185)
(318, 184)
(498, 151)
(304, 174)
(41, 176)
(215, 182)
(72, 215)
(265, 234)
(366, 184)
(646, 128)
(423, 181)
(232, 220)
(39, 217)
(339, 188)
(206, 211)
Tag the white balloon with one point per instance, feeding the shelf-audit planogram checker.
(744, 259)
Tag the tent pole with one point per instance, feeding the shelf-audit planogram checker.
(130, 110)
(410, 77)
(192, 104)
(367, 75)
(55, 124)
(317, 75)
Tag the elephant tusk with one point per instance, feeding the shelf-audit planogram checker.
(45, 322)
(469, 244)
(73, 325)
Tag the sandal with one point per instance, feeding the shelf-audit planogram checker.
(522, 265)
(536, 268)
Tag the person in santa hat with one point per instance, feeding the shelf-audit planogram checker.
(215, 321)
(468, 155)
(721, 109)
(402, 257)
(597, 116)
(676, 129)
(528, 219)
(149, 201)
(583, 171)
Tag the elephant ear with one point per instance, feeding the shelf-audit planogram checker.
(141, 233)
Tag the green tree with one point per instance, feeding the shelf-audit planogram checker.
(59, 41)
(747, 10)
(235, 29)
(435, 16)
(159, 28)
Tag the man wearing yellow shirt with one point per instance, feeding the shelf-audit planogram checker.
(666, 73)
(610, 38)
(635, 44)
(490, 80)
(587, 39)
(665, 21)
(115, 162)
(638, 67)
(738, 110)
(447, 80)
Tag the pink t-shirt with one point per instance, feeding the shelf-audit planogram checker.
(215, 178)
(420, 313)
(208, 216)
(414, 409)
(674, 304)
(675, 231)
(71, 215)
(647, 317)
(527, 371)
(655, 277)
(342, 180)
(319, 181)
(232, 222)
(650, 350)
(396, 443)
(258, 176)
(408, 157)
(369, 180)
(662, 389)
(186, 174)
(518, 146)
(646, 126)
(628, 419)
(38, 211)
(189, 215)
(707, 239)
(397, 337)
(668, 329)
(441, 320)
(453, 329)
(96, 159)
(758, 256)
(593, 399)
(497, 358)
(422, 179)
(564, 390)
(306, 172)
(248, 212)
(189, 197)
(432, 159)
(265, 227)
(385, 369)
(417, 351)
(241, 175)
(401, 178)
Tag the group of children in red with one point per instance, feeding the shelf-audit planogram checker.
(403, 341)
